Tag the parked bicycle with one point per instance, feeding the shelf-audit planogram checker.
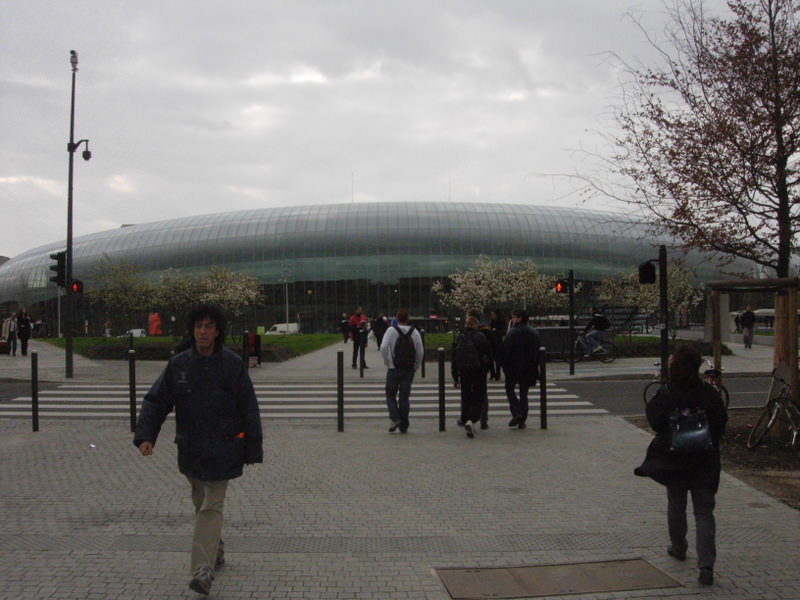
(780, 407)
(713, 377)
(605, 351)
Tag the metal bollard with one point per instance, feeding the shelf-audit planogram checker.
(35, 389)
(245, 349)
(340, 391)
(543, 387)
(422, 367)
(132, 386)
(441, 390)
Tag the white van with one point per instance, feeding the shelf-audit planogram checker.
(283, 329)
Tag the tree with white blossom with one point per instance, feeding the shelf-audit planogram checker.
(503, 282)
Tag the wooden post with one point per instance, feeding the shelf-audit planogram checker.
(715, 329)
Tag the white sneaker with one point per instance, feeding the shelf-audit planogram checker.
(470, 427)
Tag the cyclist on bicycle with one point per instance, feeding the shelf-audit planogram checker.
(591, 332)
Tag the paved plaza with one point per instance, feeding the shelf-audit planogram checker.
(361, 514)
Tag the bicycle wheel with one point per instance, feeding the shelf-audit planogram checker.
(764, 423)
(726, 397)
(609, 354)
(650, 390)
(579, 350)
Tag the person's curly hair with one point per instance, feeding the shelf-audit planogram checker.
(684, 366)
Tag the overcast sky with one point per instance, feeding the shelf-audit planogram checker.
(200, 106)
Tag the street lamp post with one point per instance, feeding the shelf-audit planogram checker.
(71, 148)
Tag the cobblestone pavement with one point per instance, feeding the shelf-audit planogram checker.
(361, 514)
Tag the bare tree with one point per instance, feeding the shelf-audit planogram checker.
(710, 138)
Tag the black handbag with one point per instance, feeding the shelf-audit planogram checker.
(689, 433)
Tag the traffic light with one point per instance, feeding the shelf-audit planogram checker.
(647, 272)
(562, 286)
(60, 267)
(76, 287)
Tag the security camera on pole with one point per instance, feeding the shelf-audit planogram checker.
(72, 146)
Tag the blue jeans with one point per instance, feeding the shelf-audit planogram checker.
(592, 340)
(398, 383)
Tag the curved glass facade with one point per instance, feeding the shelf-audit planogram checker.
(336, 256)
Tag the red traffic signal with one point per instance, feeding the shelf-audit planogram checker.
(562, 286)
(76, 287)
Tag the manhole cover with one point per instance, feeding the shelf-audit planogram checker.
(554, 580)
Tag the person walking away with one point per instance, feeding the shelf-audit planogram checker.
(487, 332)
(748, 321)
(591, 333)
(403, 353)
(10, 333)
(697, 473)
(217, 425)
(379, 326)
(521, 362)
(359, 330)
(499, 327)
(24, 328)
(471, 355)
(344, 327)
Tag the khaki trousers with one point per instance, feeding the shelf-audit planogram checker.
(208, 498)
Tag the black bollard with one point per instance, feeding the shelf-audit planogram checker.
(340, 391)
(245, 349)
(422, 367)
(35, 389)
(441, 390)
(132, 386)
(543, 387)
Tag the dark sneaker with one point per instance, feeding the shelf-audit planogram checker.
(484, 425)
(676, 554)
(393, 427)
(706, 577)
(201, 581)
(522, 424)
(514, 421)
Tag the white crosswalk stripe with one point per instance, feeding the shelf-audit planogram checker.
(291, 400)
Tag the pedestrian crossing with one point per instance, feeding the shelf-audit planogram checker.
(291, 401)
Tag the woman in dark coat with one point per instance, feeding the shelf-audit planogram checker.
(24, 327)
(698, 474)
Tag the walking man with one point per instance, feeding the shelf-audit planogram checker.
(521, 362)
(748, 321)
(402, 353)
(471, 355)
(359, 330)
(217, 425)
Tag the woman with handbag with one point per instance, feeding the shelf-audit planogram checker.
(688, 417)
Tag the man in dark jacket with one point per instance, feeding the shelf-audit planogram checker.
(748, 322)
(521, 365)
(218, 429)
(471, 355)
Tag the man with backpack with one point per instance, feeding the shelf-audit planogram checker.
(471, 356)
(591, 332)
(402, 353)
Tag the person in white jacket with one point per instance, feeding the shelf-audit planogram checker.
(402, 353)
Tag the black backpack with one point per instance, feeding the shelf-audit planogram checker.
(468, 357)
(405, 354)
(602, 323)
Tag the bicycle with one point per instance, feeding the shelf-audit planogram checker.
(605, 351)
(782, 408)
(713, 377)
